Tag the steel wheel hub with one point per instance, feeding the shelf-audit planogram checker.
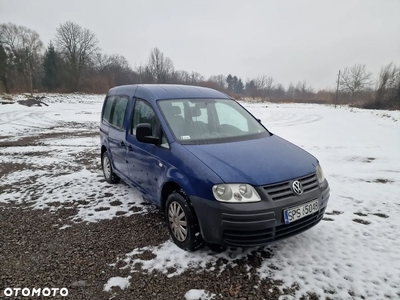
(177, 221)
(106, 167)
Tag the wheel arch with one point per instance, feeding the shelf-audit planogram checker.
(171, 187)
(103, 150)
(168, 188)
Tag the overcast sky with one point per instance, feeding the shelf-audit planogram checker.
(289, 40)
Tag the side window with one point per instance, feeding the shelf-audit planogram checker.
(119, 111)
(229, 116)
(107, 109)
(144, 113)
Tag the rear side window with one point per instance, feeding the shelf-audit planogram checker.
(119, 111)
(114, 110)
(107, 109)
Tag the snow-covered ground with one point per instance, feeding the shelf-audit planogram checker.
(353, 253)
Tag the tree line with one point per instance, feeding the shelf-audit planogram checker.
(73, 62)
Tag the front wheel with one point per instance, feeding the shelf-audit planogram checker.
(108, 171)
(182, 223)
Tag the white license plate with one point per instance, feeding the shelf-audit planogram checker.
(301, 211)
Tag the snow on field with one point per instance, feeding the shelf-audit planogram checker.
(53, 168)
(352, 253)
(194, 294)
(17, 120)
(122, 282)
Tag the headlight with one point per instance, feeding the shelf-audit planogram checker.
(320, 174)
(235, 192)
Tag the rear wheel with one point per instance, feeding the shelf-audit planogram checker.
(182, 223)
(108, 169)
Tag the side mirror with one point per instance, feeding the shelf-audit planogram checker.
(144, 134)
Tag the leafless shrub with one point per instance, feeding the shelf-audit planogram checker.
(23, 48)
(388, 92)
(159, 66)
(355, 79)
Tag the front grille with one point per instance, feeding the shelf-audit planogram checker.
(309, 183)
(283, 190)
(250, 238)
(283, 231)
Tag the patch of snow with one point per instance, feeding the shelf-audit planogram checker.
(122, 282)
(65, 226)
(352, 253)
(18, 120)
(93, 198)
(360, 157)
(171, 260)
(71, 142)
(194, 294)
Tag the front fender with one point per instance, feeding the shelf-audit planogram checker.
(190, 173)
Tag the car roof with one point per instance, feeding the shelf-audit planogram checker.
(153, 92)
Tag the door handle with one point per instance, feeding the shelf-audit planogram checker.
(122, 144)
(130, 148)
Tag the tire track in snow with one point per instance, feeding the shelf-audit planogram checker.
(26, 118)
(33, 120)
(285, 118)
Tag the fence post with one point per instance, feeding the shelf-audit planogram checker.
(337, 89)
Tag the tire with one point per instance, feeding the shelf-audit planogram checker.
(108, 171)
(179, 211)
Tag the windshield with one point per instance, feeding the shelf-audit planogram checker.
(205, 121)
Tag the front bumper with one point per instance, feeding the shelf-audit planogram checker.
(255, 224)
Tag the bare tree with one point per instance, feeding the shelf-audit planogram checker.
(355, 79)
(5, 66)
(291, 91)
(140, 72)
(181, 77)
(196, 78)
(77, 45)
(115, 68)
(100, 61)
(264, 85)
(389, 85)
(144, 74)
(278, 91)
(298, 89)
(25, 46)
(219, 81)
(303, 90)
(160, 67)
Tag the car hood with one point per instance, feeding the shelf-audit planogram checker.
(257, 162)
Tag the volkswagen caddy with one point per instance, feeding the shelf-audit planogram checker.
(216, 172)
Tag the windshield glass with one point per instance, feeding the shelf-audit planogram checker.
(200, 121)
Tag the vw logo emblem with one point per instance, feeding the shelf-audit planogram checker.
(297, 187)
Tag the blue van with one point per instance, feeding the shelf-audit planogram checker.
(218, 174)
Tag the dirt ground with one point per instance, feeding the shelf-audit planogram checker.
(35, 252)
(63, 226)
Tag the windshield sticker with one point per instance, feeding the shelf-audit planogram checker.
(185, 137)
